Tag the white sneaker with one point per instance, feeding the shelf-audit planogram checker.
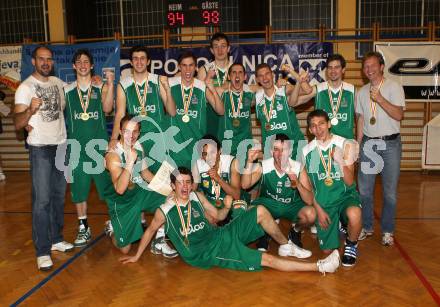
(44, 263)
(62, 246)
(387, 239)
(108, 229)
(329, 264)
(365, 234)
(313, 230)
(160, 246)
(290, 249)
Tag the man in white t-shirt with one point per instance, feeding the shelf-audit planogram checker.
(39, 105)
(379, 108)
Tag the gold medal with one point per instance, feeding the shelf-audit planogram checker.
(218, 203)
(335, 108)
(328, 181)
(267, 126)
(236, 123)
(372, 120)
(85, 116)
(334, 121)
(185, 118)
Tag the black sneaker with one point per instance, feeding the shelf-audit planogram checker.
(350, 255)
(295, 236)
(263, 243)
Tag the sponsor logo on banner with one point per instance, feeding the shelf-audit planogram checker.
(415, 65)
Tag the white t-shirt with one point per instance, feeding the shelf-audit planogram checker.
(385, 124)
(48, 123)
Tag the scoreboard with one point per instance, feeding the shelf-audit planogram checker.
(192, 13)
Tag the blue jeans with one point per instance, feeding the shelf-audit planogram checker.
(48, 193)
(379, 157)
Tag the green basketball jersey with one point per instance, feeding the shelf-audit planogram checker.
(84, 130)
(206, 185)
(202, 236)
(277, 186)
(283, 119)
(195, 128)
(221, 75)
(326, 196)
(345, 115)
(154, 106)
(241, 115)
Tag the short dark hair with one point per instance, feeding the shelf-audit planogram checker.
(261, 66)
(209, 139)
(34, 52)
(181, 170)
(373, 54)
(78, 53)
(336, 57)
(317, 113)
(218, 36)
(127, 117)
(139, 48)
(236, 64)
(187, 54)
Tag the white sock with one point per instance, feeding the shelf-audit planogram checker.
(160, 232)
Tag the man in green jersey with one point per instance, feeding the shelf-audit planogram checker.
(191, 96)
(329, 161)
(216, 174)
(203, 245)
(218, 71)
(129, 195)
(86, 105)
(235, 127)
(284, 189)
(146, 95)
(336, 97)
(274, 106)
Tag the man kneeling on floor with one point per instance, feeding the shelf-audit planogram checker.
(203, 245)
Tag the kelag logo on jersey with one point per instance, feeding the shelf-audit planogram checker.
(92, 115)
(148, 108)
(278, 126)
(192, 113)
(193, 228)
(240, 115)
(283, 200)
(333, 175)
(340, 116)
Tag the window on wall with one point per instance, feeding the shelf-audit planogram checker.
(396, 14)
(23, 19)
(299, 14)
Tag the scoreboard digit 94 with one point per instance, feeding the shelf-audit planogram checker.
(192, 13)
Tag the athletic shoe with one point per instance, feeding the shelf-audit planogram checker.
(62, 246)
(108, 229)
(44, 263)
(387, 239)
(160, 246)
(263, 243)
(2, 176)
(83, 237)
(313, 230)
(365, 234)
(295, 236)
(350, 254)
(290, 249)
(329, 264)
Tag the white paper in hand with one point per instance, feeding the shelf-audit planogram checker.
(161, 182)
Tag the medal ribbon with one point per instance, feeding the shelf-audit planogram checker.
(373, 105)
(335, 109)
(272, 102)
(235, 111)
(187, 101)
(216, 188)
(217, 75)
(142, 99)
(327, 166)
(182, 220)
(84, 105)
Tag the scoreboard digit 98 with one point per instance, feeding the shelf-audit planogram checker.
(192, 13)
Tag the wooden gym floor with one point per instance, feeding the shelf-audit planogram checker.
(407, 274)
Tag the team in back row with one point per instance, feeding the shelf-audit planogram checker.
(202, 126)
